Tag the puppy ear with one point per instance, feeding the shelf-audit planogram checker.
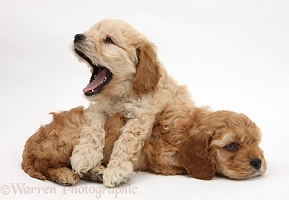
(195, 157)
(147, 72)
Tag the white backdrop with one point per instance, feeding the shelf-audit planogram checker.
(232, 55)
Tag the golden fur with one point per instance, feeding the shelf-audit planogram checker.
(158, 118)
(140, 89)
(183, 141)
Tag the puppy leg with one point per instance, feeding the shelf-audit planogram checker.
(126, 151)
(88, 153)
(62, 176)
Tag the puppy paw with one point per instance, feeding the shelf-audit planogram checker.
(63, 176)
(69, 180)
(84, 160)
(114, 177)
(95, 174)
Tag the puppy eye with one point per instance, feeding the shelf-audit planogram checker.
(109, 40)
(231, 147)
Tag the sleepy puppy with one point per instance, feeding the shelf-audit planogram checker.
(202, 143)
(192, 141)
(127, 78)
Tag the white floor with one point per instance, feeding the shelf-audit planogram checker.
(232, 55)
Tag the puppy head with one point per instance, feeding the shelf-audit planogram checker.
(235, 146)
(225, 143)
(117, 54)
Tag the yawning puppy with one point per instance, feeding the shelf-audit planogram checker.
(127, 78)
(151, 122)
(193, 141)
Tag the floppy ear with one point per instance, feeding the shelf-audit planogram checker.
(147, 72)
(195, 157)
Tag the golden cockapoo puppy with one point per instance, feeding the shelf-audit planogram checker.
(127, 78)
(193, 141)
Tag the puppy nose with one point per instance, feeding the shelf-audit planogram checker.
(78, 38)
(256, 163)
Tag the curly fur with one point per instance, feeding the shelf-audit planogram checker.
(139, 90)
(188, 141)
(146, 119)
(46, 154)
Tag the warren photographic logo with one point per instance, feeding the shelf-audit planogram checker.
(18, 189)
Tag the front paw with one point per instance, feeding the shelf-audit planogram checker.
(82, 161)
(113, 177)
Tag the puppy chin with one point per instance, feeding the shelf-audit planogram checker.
(90, 98)
(232, 174)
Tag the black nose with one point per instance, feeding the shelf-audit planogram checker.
(78, 38)
(256, 163)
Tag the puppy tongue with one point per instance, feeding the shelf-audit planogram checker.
(98, 80)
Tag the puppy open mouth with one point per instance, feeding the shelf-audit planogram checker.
(100, 77)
